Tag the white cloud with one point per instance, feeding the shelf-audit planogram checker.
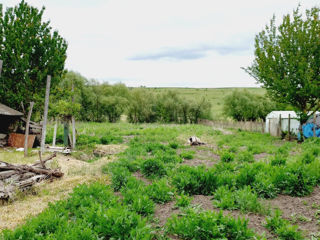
(104, 35)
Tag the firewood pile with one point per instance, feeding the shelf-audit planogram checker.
(23, 177)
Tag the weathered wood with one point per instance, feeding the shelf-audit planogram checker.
(45, 160)
(289, 127)
(45, 114)
(73, 121)
(1, 62)
(41, 162)
(27, 130)
(22, 177)
(55, 133)
(314, 124)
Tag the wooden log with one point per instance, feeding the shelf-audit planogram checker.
(45, 160)
(27, 130)
(6, 174)
(45, 114)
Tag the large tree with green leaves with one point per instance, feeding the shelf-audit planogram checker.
(287, 61)
(30, 51)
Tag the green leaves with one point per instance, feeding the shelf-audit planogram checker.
(287, 61)
(30, 51)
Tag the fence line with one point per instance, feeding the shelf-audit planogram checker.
(253, 126)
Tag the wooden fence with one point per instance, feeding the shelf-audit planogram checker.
(253, 126)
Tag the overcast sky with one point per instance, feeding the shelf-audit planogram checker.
(163, 43)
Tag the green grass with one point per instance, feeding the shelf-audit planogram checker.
(156, 151)
(214, 95)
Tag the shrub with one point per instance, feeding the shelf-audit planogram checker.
(208, 225)
(153, 167)
(245, 106)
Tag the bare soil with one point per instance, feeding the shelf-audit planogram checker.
(140, 176)
(301, 211)
(260, 156)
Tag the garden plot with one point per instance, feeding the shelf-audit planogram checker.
(164, 198)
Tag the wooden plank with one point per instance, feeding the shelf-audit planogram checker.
(17, 140)
(45, 115)
(26, 135)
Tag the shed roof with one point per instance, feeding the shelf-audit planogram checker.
(284, 114)
(5, 110)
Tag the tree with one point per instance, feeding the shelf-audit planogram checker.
(287, 61)
(30, 51)
(246, 106)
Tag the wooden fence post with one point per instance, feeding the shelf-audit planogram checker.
(314, 124)
(73, 122)
(55, 133)
(1, 62)
(279, 127)
(289, 127)
(26, 135)
(45, 115)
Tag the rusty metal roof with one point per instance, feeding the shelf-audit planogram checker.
(5, 110)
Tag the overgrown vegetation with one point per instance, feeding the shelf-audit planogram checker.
(149, 173)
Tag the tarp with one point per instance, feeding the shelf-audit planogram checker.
(307, 130)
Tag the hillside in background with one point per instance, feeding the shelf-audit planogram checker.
(214, 95)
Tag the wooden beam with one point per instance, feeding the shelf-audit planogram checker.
(45, 114)
(26, 134)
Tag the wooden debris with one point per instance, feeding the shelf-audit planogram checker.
(194, 141)
(22, 177)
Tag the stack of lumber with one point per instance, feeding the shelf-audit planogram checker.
(23, 177)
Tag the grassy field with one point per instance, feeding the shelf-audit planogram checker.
(147, 182)
(214, 95)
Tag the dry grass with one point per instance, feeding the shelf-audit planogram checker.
(76, 172)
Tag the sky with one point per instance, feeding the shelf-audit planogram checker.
(163, 43)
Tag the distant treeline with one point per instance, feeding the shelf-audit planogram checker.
(100, 102)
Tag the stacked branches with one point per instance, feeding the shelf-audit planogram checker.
(22, 177)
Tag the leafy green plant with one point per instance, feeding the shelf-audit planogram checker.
(208, 225)
(244, 199)
(194, 180)
(245, 156)
(187, 155)
(153, 167)
(278, 160)
(227, 156)
(160, 191)
(183, 200)
(282, 228)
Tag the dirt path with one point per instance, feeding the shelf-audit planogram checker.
(76, 172)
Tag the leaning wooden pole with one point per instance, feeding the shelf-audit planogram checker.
(26, 135)
(45, 115)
